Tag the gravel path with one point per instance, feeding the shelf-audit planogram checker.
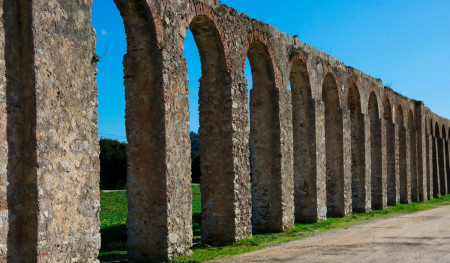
(417, 237)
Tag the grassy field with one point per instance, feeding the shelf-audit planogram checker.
(113, 228)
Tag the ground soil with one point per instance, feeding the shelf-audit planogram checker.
(417, 237)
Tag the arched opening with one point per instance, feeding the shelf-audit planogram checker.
(150, 173)
(378, 188)
(216, 162)
(413, 158)
(405, 194)
(338, 203)
(443, 161)
(392, 179)
(436, 162)
(303, 121)
(264, 138)
(360, 180)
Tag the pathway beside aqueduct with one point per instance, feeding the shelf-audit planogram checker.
(338, 142)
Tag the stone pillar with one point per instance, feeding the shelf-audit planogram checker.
(413, 164)
(4, 15)
(272, 172)
(224, 153)
(436, 167)
(361, 187)
(379, 195)
(421, 152)
(339, 202)
(404, 162)
(429, 145)
(157, 120)
(447, 154)
(309, 171)
(49, 177)
(442, 166)
(393, 179)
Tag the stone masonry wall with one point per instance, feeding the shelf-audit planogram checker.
(340, 141)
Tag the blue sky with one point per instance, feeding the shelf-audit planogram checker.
(406, 43)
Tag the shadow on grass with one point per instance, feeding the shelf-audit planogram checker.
(114, 243)
(197, 223)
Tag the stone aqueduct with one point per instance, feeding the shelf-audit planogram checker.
(338, 142)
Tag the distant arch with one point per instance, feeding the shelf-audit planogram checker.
(436, 160)
(360, 195)
(413, 157)
(444, 132)
(405, 196)
(378, 188)
(338, 203)
(391, 142)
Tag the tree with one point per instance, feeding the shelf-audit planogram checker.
(195, 157)
(113, 164)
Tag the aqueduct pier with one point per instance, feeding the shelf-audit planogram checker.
(337, 142)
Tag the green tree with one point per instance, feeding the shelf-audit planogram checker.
(195, 157)
(113, 164)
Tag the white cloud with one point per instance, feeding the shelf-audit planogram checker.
(103, 33)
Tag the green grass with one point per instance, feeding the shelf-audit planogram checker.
(113, 219)
(113, 229)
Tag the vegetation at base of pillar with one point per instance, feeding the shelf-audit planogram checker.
(113, 220)
(114, 212)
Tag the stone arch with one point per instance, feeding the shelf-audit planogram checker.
(392, 176)
(264, 139)
(220, 221)
(259, 38)
(338, 201)
(403, 161)
(436, 160)
(331, 75)
(360, 180)
(413, 157)
(377, 180)
(303, 121)
(147, 170)
(203, 11)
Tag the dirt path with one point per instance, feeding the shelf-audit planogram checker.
(418, 237)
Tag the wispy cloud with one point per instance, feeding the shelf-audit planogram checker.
(103, 32)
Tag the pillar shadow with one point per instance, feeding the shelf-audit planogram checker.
(21, 132)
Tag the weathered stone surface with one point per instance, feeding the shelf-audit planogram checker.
(442, 166)
(421, 158)
(339, 141)
(436, 168)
